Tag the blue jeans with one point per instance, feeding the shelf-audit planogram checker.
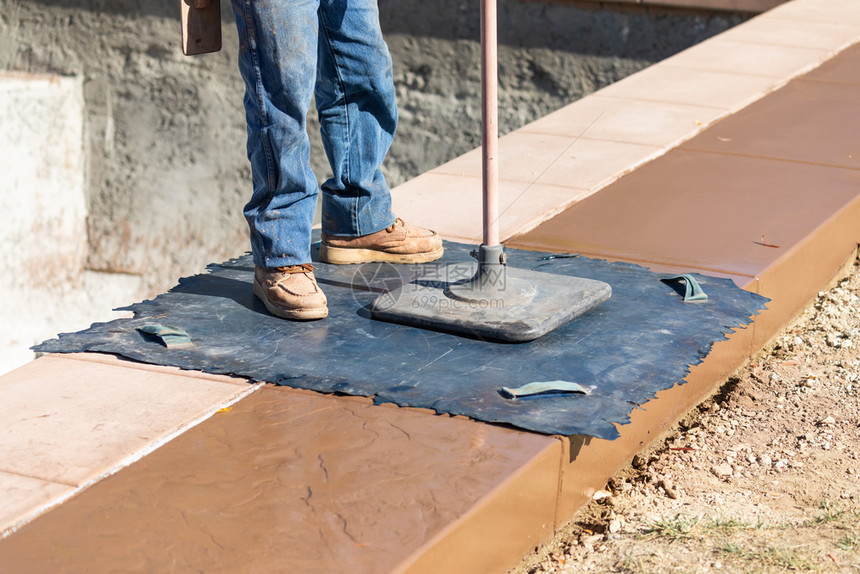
(289, 51)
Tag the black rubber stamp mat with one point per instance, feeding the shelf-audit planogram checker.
(642, 340)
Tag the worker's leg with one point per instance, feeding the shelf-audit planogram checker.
(358, 116)
(277, 58)
(278, 48)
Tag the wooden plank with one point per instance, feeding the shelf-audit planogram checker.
(201, 28)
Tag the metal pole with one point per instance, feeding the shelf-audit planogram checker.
(490, 113)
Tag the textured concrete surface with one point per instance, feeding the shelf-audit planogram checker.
(23, 496)
(292, 481)
(67, 422)
(702, 211)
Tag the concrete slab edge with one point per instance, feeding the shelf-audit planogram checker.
(129, 460)
(495, 517)
(118, 361)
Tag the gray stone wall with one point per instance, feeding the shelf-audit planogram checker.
(166, 169)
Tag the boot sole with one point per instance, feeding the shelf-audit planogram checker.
(346, 256)
(293, 314)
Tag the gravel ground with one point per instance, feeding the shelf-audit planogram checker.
(762, 477)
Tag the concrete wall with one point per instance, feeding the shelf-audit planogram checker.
(166, 167)
(162, 173)
(44, 284)
(550, 55)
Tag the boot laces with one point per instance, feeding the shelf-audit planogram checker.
(303, 268)
(397, 221)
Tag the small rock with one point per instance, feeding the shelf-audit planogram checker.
(669, 489)
(765, 460)
(723, 470)
(828, 421)
(614, 526)
(654, 477)
(639, 461)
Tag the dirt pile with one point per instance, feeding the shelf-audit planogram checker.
(763, 477)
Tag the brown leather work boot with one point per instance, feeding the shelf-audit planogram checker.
(398, 243)
(290, 292)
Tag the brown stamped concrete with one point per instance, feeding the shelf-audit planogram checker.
(844, 69)
(292, 481)
(769, 197)
(67, 422)
(701, 211)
